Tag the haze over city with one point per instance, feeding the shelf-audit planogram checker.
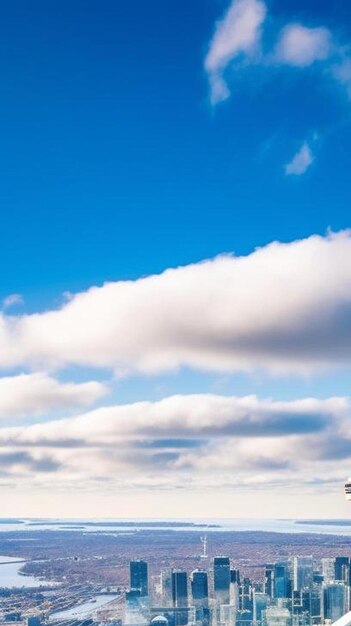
(176, 259)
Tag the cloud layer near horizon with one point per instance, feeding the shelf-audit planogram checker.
(283, 308)
(193, 441)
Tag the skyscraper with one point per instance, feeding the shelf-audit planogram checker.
(260, 604)
(199, 592)
(339, 567)
(180, 596)
(247, 603)
(199, 588)
(133, 599)
(281, 580)
(316, 604)
(303, 572)
(234, 587)
(221, 579)
(328, 569)
(268, 580)
(179, 589)
(139, 577)
(296, 603)
(334, 600)
(166, 587)
(235, 576)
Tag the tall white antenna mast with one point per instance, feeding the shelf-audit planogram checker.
(204, 545)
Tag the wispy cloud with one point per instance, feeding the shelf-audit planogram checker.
(12, 300)
(300, 163)
(342, 73)
(237, 33)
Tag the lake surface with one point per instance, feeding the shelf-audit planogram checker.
(200, 525)
(10, 576)
(85, 609)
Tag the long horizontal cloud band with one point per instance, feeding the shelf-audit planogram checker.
(285, 308)
(184, 416)
(203, 439)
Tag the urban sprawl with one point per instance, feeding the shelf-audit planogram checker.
(298, 591)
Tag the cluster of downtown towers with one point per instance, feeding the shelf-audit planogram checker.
(296, 592)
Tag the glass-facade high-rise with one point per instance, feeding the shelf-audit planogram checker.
(328, 569)
(180, 596)
(260, 604)
(199, 587)
(334, 601)
(221, 579)
(268, 579)
(303, 572)
(299, 591)
(179, 589)
(139, 577)
(166, 587)
(341, 563)
(199, 593)
(281, 580)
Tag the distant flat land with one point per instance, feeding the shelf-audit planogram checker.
(103, 556)
(120, 524)
(325, 522)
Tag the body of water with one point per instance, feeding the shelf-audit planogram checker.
(200, 525)
(10, 574)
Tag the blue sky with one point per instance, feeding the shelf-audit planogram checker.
(117, 164)
(113, 163)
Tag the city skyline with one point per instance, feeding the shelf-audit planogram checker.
(295, 591)
(176, 259)
(158, 576)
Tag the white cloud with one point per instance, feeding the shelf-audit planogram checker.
(219, 88)
(36, 394)
(192, 441)
(237, 33)
(202, 416)
(342, 73)
(301, 46)
(270, 452)
(271, 309)
(300, 163)
(12, 300)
